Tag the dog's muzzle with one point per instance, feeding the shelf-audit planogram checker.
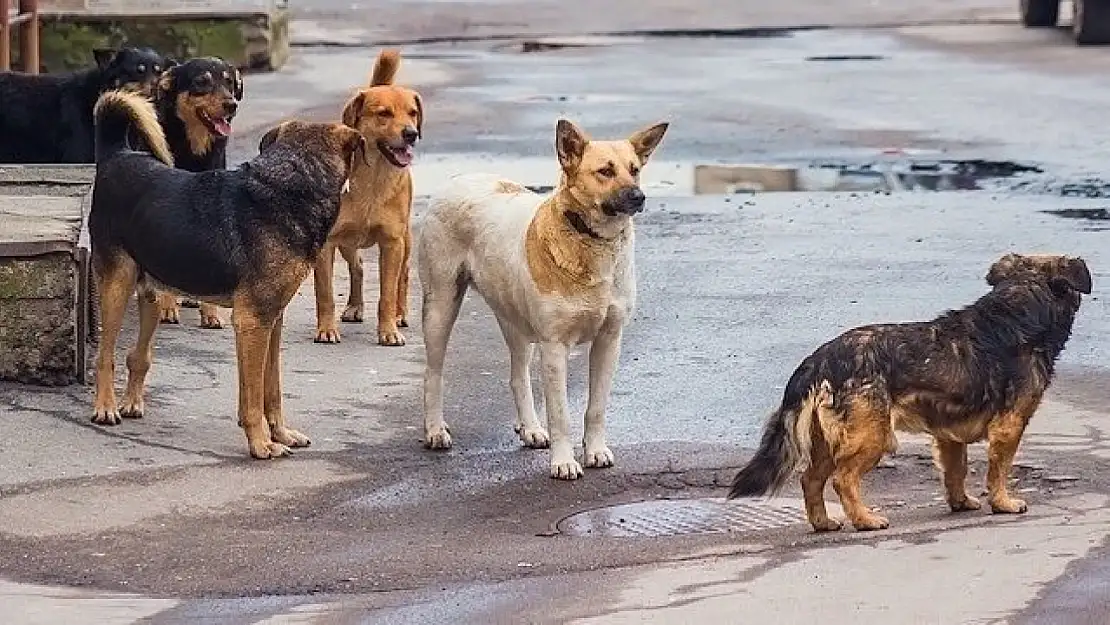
(627, 201)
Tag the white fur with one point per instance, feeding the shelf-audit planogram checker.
(478, 232)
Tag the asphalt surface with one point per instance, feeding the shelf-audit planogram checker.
(734, 291)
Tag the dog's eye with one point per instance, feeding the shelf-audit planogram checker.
(385, 113)
(157, 68)
(635, 171)
(413, 113)
(608, 171)
(141, 68)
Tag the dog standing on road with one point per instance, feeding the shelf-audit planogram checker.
(196, 102)
(971, 374)
(243, 238)
(556, 270)
(378, 209)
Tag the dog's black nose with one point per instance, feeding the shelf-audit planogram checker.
(231, 106)
(632, 200)
(409, 135)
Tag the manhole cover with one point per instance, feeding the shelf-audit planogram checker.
(672, 517)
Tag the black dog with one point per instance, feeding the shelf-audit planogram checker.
(970, 374)
(244, 238)
(49, 118)
(196, 102)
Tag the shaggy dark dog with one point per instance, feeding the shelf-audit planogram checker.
(971, 374)
(48, 118)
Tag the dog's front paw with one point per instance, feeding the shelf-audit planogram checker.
(438, 438)
(563, 468)
(289, 437)
(968, 503)
(169, 314)
(106, 415)
(132, 408)
(1008, 505)
(390, 337)
(598, 458)
(265, 450)
(534, 438)
(870, 522)
(327, 335)
(826, 525)
(209, 320)
(352, 314)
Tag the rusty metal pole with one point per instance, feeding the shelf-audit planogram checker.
(29, 35)
(5, 35)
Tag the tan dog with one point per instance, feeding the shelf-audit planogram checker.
(556, 270)
(377, 210)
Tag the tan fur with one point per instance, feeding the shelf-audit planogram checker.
(376, 211)
(144, 117)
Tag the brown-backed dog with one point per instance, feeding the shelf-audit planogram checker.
(243, 238)
(196, 102)
(971, 374)
(377, 210)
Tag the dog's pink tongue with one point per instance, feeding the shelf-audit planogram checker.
(223, 127)
(403, 155)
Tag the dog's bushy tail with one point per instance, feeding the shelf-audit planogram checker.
(787, 440)
(385, 69)
(117, 114)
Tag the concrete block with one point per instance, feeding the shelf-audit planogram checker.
(712, 179)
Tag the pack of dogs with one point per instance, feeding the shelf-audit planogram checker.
(170, 224)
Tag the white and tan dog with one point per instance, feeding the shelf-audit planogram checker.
(556, 270)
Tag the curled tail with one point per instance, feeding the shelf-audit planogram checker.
(385, 69)
(787, 439)
(117, 114)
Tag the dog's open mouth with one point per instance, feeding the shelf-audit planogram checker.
(398, 156)
(220, 126)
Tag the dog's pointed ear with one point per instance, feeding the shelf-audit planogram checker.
(645, 141)
(1003, 268)
(570, 144)
(236, 84)
(104, 56)
(1073, 276)
(353, 110)
(269, 138)
(419, 117)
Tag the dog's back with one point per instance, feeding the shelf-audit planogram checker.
(28, 136)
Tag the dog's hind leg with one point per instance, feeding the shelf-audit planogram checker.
(527, 426)
(443, 296)
(951, 459)
(138, 361)
(553, 373)
(356, 308)
(322, 273)
(275, 417)
(210, 317)
(604, 353)
(813, 482)
(170, 311)
(115, 281)
(863, 443)
(403, 286)
(1003, 437)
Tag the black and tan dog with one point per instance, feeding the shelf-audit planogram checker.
(196, 103)
(971, 374)
(48, 118)
(243, 238)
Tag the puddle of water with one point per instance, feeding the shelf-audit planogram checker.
(1098, 218)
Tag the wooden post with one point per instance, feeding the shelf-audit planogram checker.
(29, 35)
(5, 36)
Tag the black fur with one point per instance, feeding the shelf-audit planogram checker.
(970, 363)
(48, 118)
(189, 78)
(208, 233)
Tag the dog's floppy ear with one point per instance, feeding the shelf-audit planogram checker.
(645, 141)
(353, 111)
(104, 56)
(236, 84)
(269, 138)
(1073, 276)
(1003, 268)
(570, 144)
(419, 116)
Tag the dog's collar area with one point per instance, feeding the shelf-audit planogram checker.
(580, 226)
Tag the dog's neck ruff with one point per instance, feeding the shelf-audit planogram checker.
(578, 223)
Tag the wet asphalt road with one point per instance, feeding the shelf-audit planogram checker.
(734, 292)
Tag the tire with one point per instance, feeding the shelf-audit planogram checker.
(1091, 22)
(1039, 13)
